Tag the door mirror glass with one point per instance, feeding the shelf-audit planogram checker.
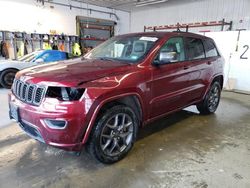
(167, 57)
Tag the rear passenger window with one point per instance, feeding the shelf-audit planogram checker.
(195, 49)
(210, 48)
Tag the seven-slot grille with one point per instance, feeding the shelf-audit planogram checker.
(28, 93)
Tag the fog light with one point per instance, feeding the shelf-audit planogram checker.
(56, 124)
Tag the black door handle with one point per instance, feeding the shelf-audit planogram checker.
(186, 67)
(209, 62)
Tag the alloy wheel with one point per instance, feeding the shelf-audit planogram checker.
(117, 134)
(213, 98)
(9, 78)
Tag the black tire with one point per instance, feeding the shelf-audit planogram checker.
(7, 77)
(106, 132)
(211, 101)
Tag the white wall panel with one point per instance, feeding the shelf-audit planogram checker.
(186, 11)
(29, 16)
(237, 66)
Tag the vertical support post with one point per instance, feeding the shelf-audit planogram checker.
(230, 26)
(13, 38)
(32, 44)
(144, 28)
(41, 41)
(186, 28)
(223, 23)
(178, 27)
(4, 37)
(78, 27)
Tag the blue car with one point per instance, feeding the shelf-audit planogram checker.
(8, 68)
(46, 56)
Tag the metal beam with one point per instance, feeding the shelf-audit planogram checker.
(82, 8)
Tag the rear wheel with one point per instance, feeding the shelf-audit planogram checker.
(114, 134)
(212, 99)
(7, 78)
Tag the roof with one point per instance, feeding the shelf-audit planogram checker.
(162, 34)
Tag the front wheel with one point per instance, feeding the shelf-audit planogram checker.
(7, 78)
(114, 134)
(212, 99)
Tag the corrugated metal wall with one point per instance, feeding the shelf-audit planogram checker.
(186, 11)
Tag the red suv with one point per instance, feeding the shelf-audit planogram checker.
(102, 99)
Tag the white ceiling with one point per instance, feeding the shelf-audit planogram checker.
(126, 5)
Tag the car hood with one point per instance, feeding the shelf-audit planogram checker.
(8, 61)
(11, 62)
(5, 64)
(72, 72)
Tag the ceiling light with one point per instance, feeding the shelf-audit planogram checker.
(150, 2)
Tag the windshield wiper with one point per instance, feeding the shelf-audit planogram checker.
(113, 60)
(106, 59)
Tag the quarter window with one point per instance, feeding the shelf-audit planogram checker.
(210, 48)
(195, 49)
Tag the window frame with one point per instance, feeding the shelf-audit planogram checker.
(211, 40)
(186, 48)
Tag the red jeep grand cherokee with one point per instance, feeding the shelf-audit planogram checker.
(103, 98)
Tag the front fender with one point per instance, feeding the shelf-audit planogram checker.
(100, 102)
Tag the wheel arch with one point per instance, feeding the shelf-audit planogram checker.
(220, 79)
(133, 100)
(9, 68)
(4, 70)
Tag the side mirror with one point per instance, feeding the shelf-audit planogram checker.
(167, 57)
(39, 60)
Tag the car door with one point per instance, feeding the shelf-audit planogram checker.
(198, 68)
(169, 80)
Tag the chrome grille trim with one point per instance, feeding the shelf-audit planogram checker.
(28, 93)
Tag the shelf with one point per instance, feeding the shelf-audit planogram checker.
(94, 39)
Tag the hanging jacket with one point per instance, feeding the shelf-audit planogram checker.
(61, 47)
(20, 51)
(4, 50)
(76, 49)
(54, 47)
(10, 49)
(47, 46)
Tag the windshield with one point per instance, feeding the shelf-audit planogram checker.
(29, 57)
(129, 48)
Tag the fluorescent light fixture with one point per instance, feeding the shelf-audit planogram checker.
(150, 2)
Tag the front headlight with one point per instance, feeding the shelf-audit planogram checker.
(65, 93)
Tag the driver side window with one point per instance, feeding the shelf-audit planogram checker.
(172, 51)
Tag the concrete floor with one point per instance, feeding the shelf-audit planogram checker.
(182, 150)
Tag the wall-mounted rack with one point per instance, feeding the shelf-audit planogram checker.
(94, 31)
(186, 26)
(33, 42)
